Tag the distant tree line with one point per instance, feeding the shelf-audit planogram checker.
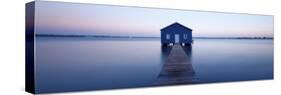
(108, 36)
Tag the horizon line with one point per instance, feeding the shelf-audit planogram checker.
(123, 36)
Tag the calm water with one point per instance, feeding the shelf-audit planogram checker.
(72, 64)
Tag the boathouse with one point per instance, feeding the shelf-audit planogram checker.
(176, 33)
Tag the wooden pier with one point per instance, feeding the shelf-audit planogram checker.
(177, 67)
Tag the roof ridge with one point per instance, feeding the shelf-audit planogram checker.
(176, 23)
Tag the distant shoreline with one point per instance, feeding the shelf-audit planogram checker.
(107, 36)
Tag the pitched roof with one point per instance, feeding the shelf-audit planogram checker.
(176, 24)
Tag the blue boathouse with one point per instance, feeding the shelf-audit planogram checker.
(176, 34)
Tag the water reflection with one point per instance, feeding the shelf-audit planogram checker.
(73, 64)
(177, 67)
(165, 51)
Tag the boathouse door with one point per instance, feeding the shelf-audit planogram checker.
(177, 38)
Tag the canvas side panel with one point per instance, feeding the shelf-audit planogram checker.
(29, 47)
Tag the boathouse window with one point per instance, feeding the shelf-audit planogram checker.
(185, 36)
(167, 36)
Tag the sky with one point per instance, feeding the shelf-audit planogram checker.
(91, 19)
